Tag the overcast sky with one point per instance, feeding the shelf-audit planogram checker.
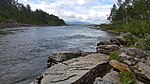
(91, 11)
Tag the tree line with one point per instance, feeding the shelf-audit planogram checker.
(12, 10)
(131, 16)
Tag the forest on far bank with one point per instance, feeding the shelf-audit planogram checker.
(12, 11)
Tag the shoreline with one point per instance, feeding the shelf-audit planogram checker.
(4, 25)
(25, 25)
(113, 64)
(108, 30)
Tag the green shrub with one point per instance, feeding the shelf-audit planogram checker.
(2, 19)
(105, 26)
(144, 43)
(127, 78)
(130, 39)
(123, 28)
(138, 28)
(114, 55)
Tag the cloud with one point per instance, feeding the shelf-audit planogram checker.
(91, 11)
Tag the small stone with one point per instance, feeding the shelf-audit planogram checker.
(119, 66)
(127, 62)
(119, 40)
(138, 82)
(112, 77)
(103, 43)
(145, 69)
(63, 56)
(99, 80)
(138, 53)
(107, 49)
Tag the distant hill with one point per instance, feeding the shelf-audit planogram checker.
(78, 23)
(13, 13)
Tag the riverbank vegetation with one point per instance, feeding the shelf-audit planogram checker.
(13, 12)
(130, 16)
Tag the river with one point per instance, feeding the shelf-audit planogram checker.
(24, 51)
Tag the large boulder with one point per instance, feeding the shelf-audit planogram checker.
(142, 72)
(112, 77)
(124, 39)
(139, 62)
(81, 70)
(106, 49)
(131, 56)
(119, 40)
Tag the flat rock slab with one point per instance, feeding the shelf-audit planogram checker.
(82, 70)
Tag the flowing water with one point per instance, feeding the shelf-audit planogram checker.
(24, 51)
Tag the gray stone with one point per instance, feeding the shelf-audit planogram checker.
(103, 43)
(119, 40)
(143, 72)
(58, 57)
(133, 55)
(63, 56)
(127, 62)
(82, 70)
(138, 53)
(100, 80)
(114, 41)
(138, 82)
(112, 77)
(130, 60)
(107, 49)
(139, 62)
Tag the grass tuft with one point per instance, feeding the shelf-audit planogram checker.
(115, 55)
(127, 78)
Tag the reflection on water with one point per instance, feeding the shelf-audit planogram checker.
(24, 51)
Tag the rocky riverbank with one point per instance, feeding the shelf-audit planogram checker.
(12, 24)
(114, 62)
